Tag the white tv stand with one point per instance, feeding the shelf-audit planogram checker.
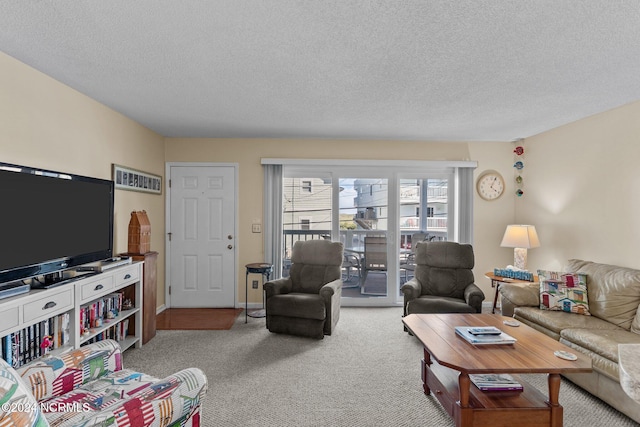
(21, 311)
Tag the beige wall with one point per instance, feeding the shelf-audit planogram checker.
(582, 190)
(580, 180)
(45, 124)
(490, 218)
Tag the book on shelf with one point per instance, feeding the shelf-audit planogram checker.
(25, 346)
(483, 339)
(495, 382)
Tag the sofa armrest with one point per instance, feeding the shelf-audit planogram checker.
(185, 389)
(328, 290)
(474, 296)
(22, 406)
(518, 295)
(411, 290)
(169, 401)
(331, 293)
(72, 369)
(277, 286)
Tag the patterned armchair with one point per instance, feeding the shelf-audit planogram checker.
(88, 387)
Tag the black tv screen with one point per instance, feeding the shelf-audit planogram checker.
(51, 221)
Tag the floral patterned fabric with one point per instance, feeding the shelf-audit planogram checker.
(88, 387)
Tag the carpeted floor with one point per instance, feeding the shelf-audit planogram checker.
(366, 374)
(197, 318)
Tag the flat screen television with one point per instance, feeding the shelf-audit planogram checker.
(52, 221)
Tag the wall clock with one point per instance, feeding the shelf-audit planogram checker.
(490, 185)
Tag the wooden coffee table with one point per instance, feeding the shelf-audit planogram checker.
(449, 359)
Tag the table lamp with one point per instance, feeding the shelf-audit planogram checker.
(521, 238)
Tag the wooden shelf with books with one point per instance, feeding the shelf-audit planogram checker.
(26, 319)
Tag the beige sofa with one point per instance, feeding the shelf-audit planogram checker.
(613, 295)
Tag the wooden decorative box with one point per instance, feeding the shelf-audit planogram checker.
(139, 233)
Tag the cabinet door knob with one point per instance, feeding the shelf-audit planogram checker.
(230, 247)
(49, 305)
(128, 276)
(98, 287)
(229, 237)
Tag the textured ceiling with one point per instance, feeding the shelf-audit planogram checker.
(419, 70)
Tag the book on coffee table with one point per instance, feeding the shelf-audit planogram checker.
(495, 382)
(483, 339)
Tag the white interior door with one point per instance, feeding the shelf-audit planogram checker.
(202, 241)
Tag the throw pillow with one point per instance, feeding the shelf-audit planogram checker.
(563, 292)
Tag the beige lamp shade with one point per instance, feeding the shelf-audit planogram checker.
(520, 237)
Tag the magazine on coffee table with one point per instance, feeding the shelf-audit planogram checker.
(483, 339)
(495, 382)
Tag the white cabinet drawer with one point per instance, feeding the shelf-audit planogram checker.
(48, 306)
(96, 288)
(9, 318)
(128, 275)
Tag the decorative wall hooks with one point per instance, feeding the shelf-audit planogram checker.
(518, 165)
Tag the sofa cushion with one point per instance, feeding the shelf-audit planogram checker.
(635, 325)
(23, 409)
(131, 398)
(614, 292)
(438, 304)
(557, 321)
(563, 292)
(601, 341)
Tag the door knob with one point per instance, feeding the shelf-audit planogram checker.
(230, 247)
(229, 237)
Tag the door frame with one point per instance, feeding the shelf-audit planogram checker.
(168, 166)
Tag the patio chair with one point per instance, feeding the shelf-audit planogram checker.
(351, 262)
(375, 259)
(307, 303)
(408, 264)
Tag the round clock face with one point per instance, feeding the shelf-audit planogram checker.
(490, 185)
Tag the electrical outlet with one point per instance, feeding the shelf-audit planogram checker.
(256, 228)
(254, 284)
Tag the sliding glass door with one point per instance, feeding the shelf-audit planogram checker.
(364, 224)
(378, 214)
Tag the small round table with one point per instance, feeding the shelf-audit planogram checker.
(264, 270)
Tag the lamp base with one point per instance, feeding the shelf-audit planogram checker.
(520, 258)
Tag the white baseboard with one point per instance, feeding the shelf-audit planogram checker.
(161, 309)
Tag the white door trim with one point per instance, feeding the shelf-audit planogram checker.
(167, 275)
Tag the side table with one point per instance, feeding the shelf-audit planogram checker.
(496, 281)
(264, 270)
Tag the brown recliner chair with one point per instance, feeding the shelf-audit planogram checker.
(443, 281)
(307, 303)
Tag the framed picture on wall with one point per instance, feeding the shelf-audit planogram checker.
(126, 178)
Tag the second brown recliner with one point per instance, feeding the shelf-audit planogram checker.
(443, 281)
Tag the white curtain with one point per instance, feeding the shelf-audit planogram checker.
(273, 217)
(464, 178)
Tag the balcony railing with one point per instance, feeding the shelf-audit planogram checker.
(354, 238)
